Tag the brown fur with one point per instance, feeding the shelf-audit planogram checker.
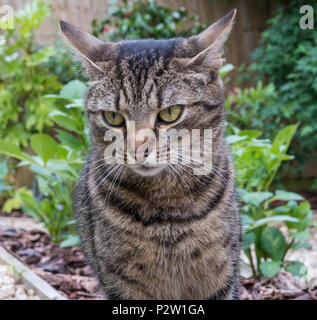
(172, 235)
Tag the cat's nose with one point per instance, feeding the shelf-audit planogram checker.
(141, 152)
(138, 144)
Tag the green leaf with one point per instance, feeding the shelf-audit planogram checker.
(287, 196)
(296, 268)
(256, 198)
(282, 140)
(301, 245)
(235, 138)
(273, 243)
(246, 220)
(225, 69)
(44, 146)
(304, 215)
(11, 204)
(72, 240)
(270, 268)
(264, 221)
(247, 239)
(302, 236)
(74, 89)
(12, 150)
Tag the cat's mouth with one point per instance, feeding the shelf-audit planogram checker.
(146, 169)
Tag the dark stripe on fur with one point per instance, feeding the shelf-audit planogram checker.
(133, 210)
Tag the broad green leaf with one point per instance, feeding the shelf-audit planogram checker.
(270, 268)
(302, 236)
(304, 215)
(287, 196)
(44, 146)
(72, 240)
(282, 140)
(273, 243)
(250, 133)
(256, 198)
(64, 120)
(246, 220)
(13, 151)
(296, 268)
(74, 89)
(247, 239)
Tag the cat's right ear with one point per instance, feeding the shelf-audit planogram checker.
(91, 49)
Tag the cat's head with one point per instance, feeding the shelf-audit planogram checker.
(150, 85)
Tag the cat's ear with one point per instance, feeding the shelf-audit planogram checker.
(91, 49)
(208, 45)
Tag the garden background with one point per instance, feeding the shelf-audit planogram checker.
(271, 103)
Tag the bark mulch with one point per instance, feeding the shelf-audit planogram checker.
(65, 269)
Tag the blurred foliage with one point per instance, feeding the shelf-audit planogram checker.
(130, 20)
(145, 19)
(287, 58)
(24, 79)
(64, 65)
(56, 165)
(257, 162)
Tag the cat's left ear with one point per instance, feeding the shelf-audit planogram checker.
(207, 47)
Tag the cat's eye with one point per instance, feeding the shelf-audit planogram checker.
(170, 114)
(112, 118)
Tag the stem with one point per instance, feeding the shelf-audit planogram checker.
(288, 247)
(251, 262)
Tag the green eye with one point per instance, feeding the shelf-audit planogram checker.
(112, 118)
(170, 114)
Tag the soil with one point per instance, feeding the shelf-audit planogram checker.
(66, 270)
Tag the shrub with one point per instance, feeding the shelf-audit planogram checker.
(24, 79)
(257, 161)
(145, 19)
(287, 57)
(252, 108)
(56, 165)
(63, 66)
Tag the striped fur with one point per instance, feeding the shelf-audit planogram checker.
(172, 235)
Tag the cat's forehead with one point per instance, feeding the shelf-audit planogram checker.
(135, 78)
(150, 51)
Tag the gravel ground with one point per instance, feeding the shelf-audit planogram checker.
(11, 288)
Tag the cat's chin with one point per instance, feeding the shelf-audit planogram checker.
(146, 171)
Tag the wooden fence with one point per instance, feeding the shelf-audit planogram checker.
(251, 19)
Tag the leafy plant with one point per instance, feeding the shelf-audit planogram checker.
(252, 108)
(23, 77)
(145, 19)
(257, 162)
(287, 57)
(63, 66)
(56, 165)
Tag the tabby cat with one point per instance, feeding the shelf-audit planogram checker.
(158, 232)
